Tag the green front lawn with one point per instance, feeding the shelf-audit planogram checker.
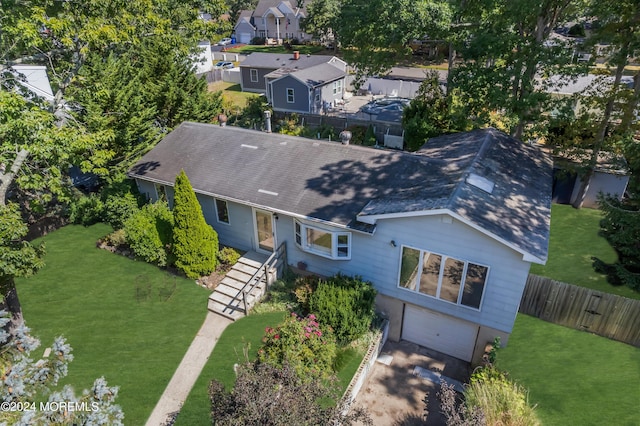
(574, 240)
(302, 48)
(127, 321)
(575, 378)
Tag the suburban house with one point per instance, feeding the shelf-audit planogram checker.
(611, 176)
(274, 20)
(293, 82)
(244, 30)
(446, 234)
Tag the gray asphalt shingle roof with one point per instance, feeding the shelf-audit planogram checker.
(283, 60)
(336, 183)
(318, 75)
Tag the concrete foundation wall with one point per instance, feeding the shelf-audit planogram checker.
(391, 309)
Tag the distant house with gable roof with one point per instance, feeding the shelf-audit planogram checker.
(293, 82)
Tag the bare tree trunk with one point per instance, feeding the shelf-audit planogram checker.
(602, 133)
(11, 303)
(7, 178)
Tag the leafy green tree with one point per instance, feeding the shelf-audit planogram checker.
(252, 115)
(506, 47)
(428, 113)
(36, 153)
(267, 395)
(195, 243)
(17, 258)
(617, 23)
(621, 227)
(322, 20)
(237, 6)
(137, 96)
(375, 34)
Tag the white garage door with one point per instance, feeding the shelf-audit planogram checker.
(439, 332)
(244, 38)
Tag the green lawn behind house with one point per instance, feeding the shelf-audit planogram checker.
(232, 93)
(575, 378)
(126, 320)
(240, 341)
(574, 240)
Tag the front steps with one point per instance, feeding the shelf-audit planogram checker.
(227, 299)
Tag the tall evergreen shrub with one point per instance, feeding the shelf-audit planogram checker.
(195, 243)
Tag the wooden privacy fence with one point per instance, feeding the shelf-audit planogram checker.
(604, 314)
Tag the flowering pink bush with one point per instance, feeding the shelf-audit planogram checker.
(303, 343)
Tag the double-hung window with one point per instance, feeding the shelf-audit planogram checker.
(254, 75)
(290, 95)
(443, 277)
(330, 244)
(222, 211)
(337, 87)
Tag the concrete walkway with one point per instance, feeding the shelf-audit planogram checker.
(189, 369)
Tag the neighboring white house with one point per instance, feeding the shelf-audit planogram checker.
(446, 234)
(276, 20)
(34, 78)
(204, 61)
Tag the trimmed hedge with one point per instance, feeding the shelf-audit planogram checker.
(346, 304)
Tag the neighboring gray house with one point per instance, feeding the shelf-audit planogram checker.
(446, 234)
(245, 30)
(294, 82)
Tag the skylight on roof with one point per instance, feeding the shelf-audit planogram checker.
(480, 182)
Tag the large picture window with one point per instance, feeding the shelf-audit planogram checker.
(443, 277)
(330, 244)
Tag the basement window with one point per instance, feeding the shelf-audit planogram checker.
(330, 244)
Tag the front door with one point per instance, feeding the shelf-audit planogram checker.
(265, 237)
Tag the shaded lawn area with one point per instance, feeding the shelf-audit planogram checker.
(574, 377)
(574, 240)
(243, 335)
(125, 320)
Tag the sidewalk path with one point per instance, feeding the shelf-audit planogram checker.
(189, 369)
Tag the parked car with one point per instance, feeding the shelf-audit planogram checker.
(386, 104)
(224, 64)
(224, 41)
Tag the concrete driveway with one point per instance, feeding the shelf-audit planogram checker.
(393, 395)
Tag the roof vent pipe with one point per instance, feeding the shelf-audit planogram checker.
(267, 121)
(296, 55)
(345, 137)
